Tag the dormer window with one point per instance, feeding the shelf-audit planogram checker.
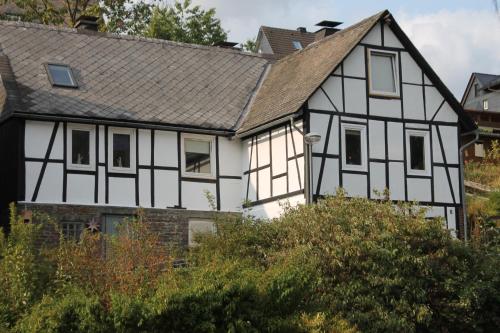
(383, 73)
(61, 76)
(297, 45)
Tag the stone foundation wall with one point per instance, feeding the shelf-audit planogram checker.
(172, 225)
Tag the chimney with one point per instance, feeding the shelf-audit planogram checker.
(301, 29)
(87, 23)
(327, 28)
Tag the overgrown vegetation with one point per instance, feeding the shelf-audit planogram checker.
(342, 265)
(179, 21)
(481, 208)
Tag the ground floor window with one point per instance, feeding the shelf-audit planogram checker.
(72, 230)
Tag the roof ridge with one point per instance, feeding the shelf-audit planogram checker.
(126, 37)
(285, 29)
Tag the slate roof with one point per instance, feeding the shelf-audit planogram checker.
(487, 80)
(293, 79)
(128, 78)
(281, 40)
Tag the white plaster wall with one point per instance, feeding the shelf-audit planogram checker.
(449, 136)
(333, 88)
(410, 71)
(419, 189)
(263, 149)
(396, 139)
(319, 124)
(144, 147)
(390, 38)
(446, 114)
(230, 152)
(374, 37)
(279, 186)
(413, 102)
(396, 181)
(354, 64)
(330, 182)
(377, 139)
(166, 188)
(194, 197)
(102, 185)
(437, 155)
(145, 188)
(32, 173)
(51, 187)
(355, 96)
(58, 147)
(165, 149)
(385, 107)
(279, 151)
(230, 199)
(355, 185)
(377, 179)
(121, 191)
(442, 191)
(80, 189)
(319, 101)
(433, 100)
(102, 151)
(274, 209)
(37, 137)
(264, 183)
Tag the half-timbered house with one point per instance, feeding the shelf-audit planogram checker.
(95, 125)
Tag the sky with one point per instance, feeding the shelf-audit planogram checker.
(457, 37)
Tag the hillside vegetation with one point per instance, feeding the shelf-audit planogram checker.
(342, 265)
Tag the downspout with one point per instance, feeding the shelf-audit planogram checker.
(462, 183)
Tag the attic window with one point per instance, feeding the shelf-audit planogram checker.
(383, 75)
(297, 45)
(61, 76)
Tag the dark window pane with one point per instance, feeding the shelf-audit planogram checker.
(121, 150)
(61, 75)
(197, 154)
(417, 153)
(72, 230)
(353, 147)
(80, 147)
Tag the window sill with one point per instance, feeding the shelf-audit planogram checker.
(384, 96)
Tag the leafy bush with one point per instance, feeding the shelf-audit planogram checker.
(341, 266)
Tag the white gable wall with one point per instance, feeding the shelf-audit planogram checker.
(419, 107)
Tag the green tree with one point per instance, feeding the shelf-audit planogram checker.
(250, 45)
(183, 22)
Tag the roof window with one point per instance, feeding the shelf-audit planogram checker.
(61, 76)
(297, 45)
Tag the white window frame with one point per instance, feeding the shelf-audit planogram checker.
(364, 153)
(427, 153)
(297, 45)
(395, 69)
(92, 158)
(133, 157)
(199, 137)
(485, 105)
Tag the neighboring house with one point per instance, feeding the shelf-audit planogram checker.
(481, 101)
(283, 42)
(95, 125)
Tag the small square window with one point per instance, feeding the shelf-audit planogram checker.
(383, 73)
(354, 147)
(72, 230)
(81, 147)
(61, 76)
(297, 45)
(485, 105)
(198, 160)
(197, 227)
(418, 153)
(122, 154)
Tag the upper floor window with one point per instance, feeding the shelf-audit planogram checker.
(198, 156)
(485, 105)
(81, 147)
(297, 45)
(383, 73)
(418, 153)
(61, 76)
(354, 147)
(123, 150)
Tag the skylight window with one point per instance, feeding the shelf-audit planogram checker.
(297, 45)
(61, 76)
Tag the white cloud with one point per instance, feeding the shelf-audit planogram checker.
(456, 44)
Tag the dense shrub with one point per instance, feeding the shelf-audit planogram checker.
(341, 265)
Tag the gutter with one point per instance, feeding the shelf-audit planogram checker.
(462, 180)
(265, 126)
